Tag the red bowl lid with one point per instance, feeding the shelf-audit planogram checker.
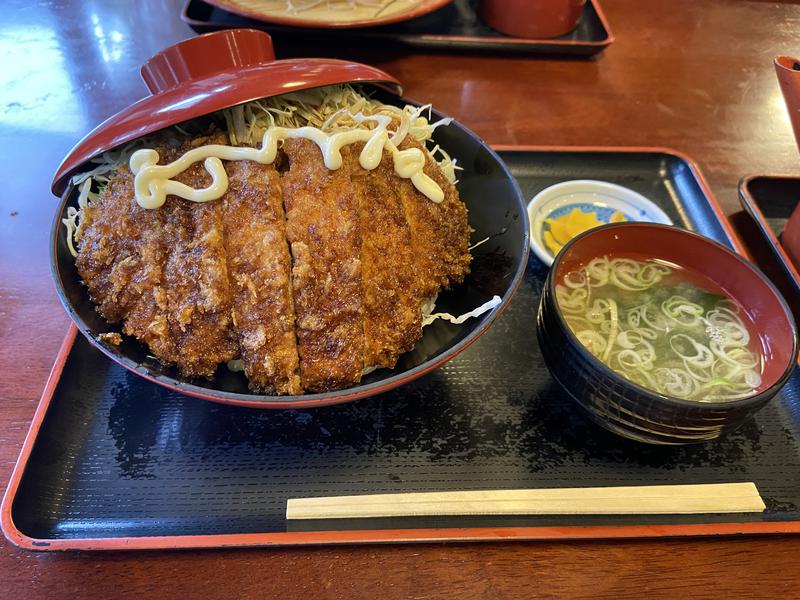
(208, 73)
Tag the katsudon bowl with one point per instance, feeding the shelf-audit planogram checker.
(210, 73)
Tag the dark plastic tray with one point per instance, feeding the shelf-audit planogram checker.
(454, 27)
(113, 461)
(770, 200)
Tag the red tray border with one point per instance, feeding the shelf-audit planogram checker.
(569, 532)
(475, 40)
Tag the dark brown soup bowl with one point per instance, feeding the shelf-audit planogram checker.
(636, 412)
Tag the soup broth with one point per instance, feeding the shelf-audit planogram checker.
(663, 327)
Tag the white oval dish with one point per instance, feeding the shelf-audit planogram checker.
(599, 197)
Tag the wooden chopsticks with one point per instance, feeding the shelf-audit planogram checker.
(654, 499)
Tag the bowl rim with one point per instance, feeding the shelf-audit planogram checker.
(540, 198)
(350, 394)
(595, 362)
(426, 7)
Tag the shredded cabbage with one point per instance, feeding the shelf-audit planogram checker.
(72, 221)
(476, 312)
(332, 109)
(300, 6)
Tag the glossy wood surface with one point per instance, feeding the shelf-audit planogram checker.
(696, 76)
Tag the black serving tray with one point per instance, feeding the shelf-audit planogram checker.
(769, 200)
(455, 27)
(113, 461)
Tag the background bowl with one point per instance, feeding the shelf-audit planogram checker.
(344, 20)
(629, 409)
(496, 210)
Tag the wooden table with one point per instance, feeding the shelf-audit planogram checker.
(696, 76)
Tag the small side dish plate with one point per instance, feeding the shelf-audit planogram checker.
(601, 201)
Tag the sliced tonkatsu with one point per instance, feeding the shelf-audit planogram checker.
(392, 304)
(324, 233)
(121, 259)
(310, 276)
(196, 281)
(439, 231)
(259, 268)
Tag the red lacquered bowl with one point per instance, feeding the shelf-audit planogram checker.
(218, 70)
(634, 411)
(422, 8)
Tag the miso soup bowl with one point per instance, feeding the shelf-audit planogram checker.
(636, 412)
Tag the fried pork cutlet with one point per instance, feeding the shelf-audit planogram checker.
(121, 257)
(163, 272)
(323, 229)
(439, 232)
(310, 276)
(259, 267)
(196, 278)
(392, 307)
(196, 285)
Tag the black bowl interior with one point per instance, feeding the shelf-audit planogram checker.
(496, 211)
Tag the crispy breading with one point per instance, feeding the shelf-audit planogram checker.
(309, 276)
(196, 280)
(161, 271)
(323, 229)
(121, 256)
(392, 312)
(107, 249)
(259, 267)
(439, 232)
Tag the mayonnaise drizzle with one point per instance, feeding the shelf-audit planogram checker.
(154, 182)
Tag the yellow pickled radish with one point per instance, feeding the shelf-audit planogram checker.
(557, 232)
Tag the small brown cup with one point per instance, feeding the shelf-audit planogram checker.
(532, 18)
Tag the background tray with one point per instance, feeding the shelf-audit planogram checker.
(769, 201)
(113, 461)
(454, 27)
